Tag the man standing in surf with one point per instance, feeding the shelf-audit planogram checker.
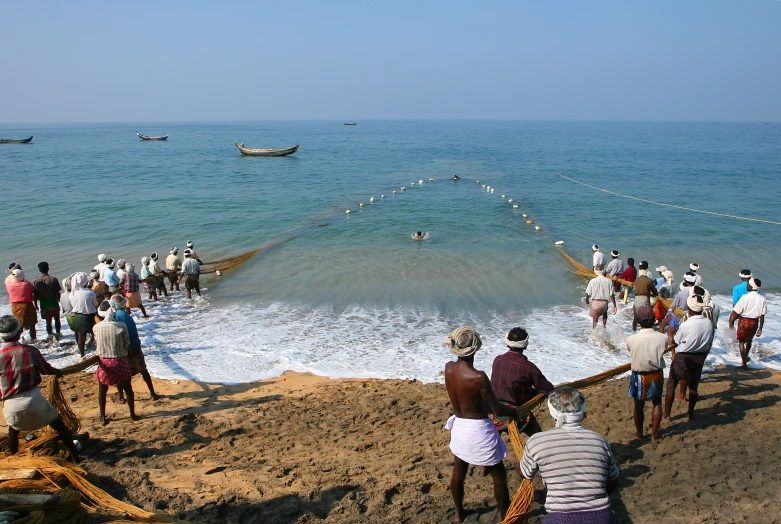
(473, 437)
(598, 292)
(751, 309)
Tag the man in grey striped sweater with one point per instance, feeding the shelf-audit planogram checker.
(576, 464)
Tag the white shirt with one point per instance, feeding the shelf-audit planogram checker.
(154, 267)
(121, 273)
(191, 267)
(697, 280)
(694, 335)
(615, 267)
(600, 288)
(599, 259)
(647, 347)
(751, 305)
(101, 268)
(83, 301)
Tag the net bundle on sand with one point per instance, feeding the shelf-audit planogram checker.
(42, 487)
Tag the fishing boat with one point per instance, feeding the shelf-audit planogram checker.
(252, 151)
(15, 141)
(355, 124)
(145, 137)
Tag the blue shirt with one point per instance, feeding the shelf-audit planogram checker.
(659, 282)
(132, 330)
(740, 290)
(110, 278)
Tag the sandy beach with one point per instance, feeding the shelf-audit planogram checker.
(303, 448)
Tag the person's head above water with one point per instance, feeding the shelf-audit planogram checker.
(420, 233)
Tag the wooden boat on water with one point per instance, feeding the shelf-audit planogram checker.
(15, 141)
(145, 137)
(252, 151)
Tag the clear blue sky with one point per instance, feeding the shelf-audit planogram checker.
(565, 60)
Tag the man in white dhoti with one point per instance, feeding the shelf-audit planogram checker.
(473, 436)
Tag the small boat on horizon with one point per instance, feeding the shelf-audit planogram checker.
(253, 151)
(353, 124)
(145, 137)
(15, 141)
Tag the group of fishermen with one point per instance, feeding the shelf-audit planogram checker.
(97, 303)
(577, 464)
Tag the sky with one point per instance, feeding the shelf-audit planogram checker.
(90, 61)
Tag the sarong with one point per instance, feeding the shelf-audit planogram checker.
(26, 313)
(50, 308)
(476, 441)
(646, 386)
(660, 310)
(71, 322)
(602, 516)
(83, 323)
(113, 370)
(598, 308)
(641, 301)
(688, 366)
(136, 360)
(28, 411)
(192, 282)
(747, 328)
(133, 298)
(501, 422)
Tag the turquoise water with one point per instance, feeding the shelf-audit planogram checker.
(354, 295)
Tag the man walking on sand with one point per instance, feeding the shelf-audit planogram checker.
(647, 349)
(473, 437)
(598, 292)
(751, 310)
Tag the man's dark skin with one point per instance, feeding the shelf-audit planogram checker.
(472, 398)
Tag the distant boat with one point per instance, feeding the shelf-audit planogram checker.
(354, 124)
(252, 151)
(144, 137)
(13, 141)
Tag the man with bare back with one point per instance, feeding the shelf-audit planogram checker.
(473, 436)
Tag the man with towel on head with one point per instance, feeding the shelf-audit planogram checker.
(742, 288)
(693, 267)
(598, 292)
(21, 294)
(24, 407)
(193, 255)
(11, 267)
(101, 267)
(576, 464)
(121, 268)
(751, 310)
(191, 268)
(111, 343)
(135, 356)
(515, 380)
(473, 437)
(599, 257)
(692, 344)
(615, 268)
(174, 266)
(131, 286)
(109, 276)
(84, 304)
(681, 298)
(47, 292)
(156, 271)
(644, 290)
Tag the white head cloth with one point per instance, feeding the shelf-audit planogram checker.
(661, 269)
(102, 257)
(516, 344)
(695, 303)
(130, 268)
(752, 282)
(694, 267)
(174, 250)
(17, 274)
(595, 247)
(144, 260)
(690, 278)
(567, 418)
(190, 243)
(745, 274)
(614, 253)
(451, 341)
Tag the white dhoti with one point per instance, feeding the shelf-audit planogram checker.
(28, 411)
(476, 441)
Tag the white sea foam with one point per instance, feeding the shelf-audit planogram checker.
(241, 343)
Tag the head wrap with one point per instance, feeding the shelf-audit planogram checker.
(94, 273)
(704, 293)
(187, 252)
(110, 263)
(17, 274)
(15, 328)
(690, 278)
(129, 268)
(190, 243)
(13, 266)
(745, 273)
(600, 272)
(473, 344)
(668, 276)
(121, 263)
(144, 260)
(643, 265)
(661, 269)
(695, 303)
(566, 418)
(614, 253)
(153, 256)
(43, 267)
(174, 250)
(753, 283)
(516, 344)
(78, 281)
(107, 311)
(694, 267)
(595, 247)
(102, 257)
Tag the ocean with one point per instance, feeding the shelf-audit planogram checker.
(353, 295)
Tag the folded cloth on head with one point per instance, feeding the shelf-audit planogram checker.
(476, 441)
(472, 345)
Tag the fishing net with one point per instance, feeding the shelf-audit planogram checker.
(224, 264)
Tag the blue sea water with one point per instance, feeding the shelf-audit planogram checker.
(354, 295)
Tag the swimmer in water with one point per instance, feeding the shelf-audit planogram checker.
(419, 235)
(456, 177)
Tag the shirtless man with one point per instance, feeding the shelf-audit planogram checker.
(473, 437)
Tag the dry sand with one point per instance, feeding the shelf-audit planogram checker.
(304, 449)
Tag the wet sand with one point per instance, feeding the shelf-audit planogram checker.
(304, 449)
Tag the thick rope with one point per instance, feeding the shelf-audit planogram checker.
(671, 205)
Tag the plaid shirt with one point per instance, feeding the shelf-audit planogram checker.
(130, 282)
(516, 380)
(22, 367)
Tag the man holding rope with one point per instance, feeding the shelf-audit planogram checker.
(473, 437)
(751, 310)
(647, 349)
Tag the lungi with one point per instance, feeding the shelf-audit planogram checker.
(71, 322)
(50, 308)
(136, 360)
(28, 411)
(476, 441)
(192, 282)
(26, 313)
(133, 298)
(660, 310)
(598, 308)
(83, 323)
(112, 371)
(602, 516)
(646, 385)
(747, 328)
(641, 301)
(502, 422)
(688, 366)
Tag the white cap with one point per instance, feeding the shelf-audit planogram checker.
(694, 267)
(190, 243)
(595, 247)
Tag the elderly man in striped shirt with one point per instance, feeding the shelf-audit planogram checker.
(576, 464)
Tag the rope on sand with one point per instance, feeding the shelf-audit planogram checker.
(671, 205)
